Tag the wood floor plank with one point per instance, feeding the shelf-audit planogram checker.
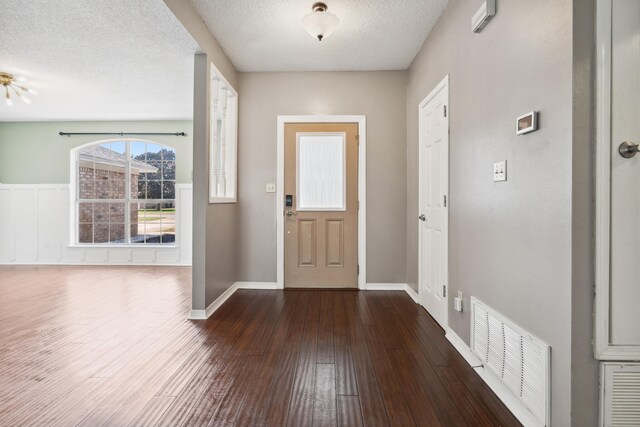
(253, 411)
(324, 404)
(349, 413)
(379, 307)
(371, 402)
(111, 346)
(152, 411)
(390, 385)
(277, 407)
(445, 406)
(303, 393)
(419, 402)
(346, 383)
(227, 367)
(325, 331)
(233, 400)
(470, 407)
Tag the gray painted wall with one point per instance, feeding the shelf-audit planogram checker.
(510, 242)
(378, 95)
(584, 368)
(214, 225)
(34, 153)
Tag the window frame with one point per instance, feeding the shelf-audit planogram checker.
(218, 84)
(75, 201)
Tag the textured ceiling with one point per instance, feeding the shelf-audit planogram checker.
(265, 35)
(97, 59)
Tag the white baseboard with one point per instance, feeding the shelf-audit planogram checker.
(386, 286)
(413, 294)
(257, 285)
(95, 264)
(198, 315)
(393, 287)
(504, 394)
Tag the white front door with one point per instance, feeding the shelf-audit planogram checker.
(433, 218)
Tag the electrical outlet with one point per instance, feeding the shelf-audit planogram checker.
(500, 171)
(271, 188)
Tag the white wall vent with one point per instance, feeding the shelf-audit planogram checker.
(517, 358)
(620, 394)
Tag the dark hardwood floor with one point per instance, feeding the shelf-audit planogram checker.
(94, 346)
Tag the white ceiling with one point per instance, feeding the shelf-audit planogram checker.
(265, 35)
(97, 59)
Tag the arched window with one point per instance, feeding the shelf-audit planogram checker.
(125, 193)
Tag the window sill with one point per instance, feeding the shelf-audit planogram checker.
(222, 200)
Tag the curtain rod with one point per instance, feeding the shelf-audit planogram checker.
(69, 134)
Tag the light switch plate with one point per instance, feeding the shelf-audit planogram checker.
(271, 188)
(500, 171)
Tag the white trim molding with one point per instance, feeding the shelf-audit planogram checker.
(413, 294)
(362, 189)
(385, 286)
(602, 346)
(257, 285)
(516, 407)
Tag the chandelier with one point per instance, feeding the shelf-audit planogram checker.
(15, 84)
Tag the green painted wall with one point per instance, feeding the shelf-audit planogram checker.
(34, 153)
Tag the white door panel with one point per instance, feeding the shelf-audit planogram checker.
(433, 215)
(625, 174)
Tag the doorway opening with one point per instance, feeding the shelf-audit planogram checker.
(340, 215)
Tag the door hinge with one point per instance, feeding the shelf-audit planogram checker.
(358, 139)
(444, 291)
(358, 269)
(445, 200)
(358, 205)
(445, 111)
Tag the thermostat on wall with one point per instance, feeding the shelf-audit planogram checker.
(527, 123)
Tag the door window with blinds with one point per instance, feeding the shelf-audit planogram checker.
(320, 171)
(125, 193)
(223, 141)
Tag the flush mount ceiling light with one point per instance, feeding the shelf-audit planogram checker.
(9, 81)
(320, 23)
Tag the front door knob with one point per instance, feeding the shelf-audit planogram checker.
(628, 149)
(422, 217)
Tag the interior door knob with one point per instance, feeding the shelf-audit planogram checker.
(628, 149)
(289, 213)
(422, 217)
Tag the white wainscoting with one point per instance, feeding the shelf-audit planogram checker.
(34, 229)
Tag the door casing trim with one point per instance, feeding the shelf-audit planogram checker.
(362, 189)
(603, 349)
(421, 135)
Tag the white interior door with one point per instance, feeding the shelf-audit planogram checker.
(433, 216)
(625, 174)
